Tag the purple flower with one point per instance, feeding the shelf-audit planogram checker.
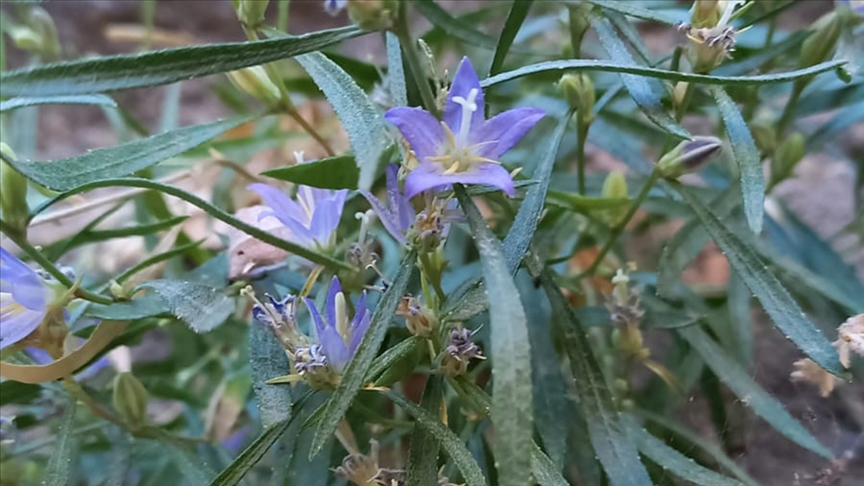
(464, 147)
(338, 338)
(333, 7)
(398, 215)
(856, 6)
(23, 299)
(312, 219)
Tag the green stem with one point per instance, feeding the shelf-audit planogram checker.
(409, 48)
(582, 126)
(285, 98)
(49, 267)
(786, 116)
(148, 13)
(619, 228)
(282, 19)
(433, 275)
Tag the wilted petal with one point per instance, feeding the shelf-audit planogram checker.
(427, 176)
(464, 81)
(505, 130)
(422, 131)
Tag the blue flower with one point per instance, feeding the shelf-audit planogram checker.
(333, 7)
(24, 299)
(338, 337)
(397, 215)
(312, 219)
(463, 148)
(856, 6)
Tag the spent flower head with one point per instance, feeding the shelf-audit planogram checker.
(460, 350)
(710, 43)
(462, 148)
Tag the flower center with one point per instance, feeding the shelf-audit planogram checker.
(458, 156)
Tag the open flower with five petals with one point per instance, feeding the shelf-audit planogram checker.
(464, 147)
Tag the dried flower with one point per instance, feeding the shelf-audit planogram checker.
(419, 318)
(808, 371)
(361, 469)
(711, 44)
(458, 352)
(851, 339)
(463, 148)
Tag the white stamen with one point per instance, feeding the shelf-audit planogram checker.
(469, 106)
(365, 220)
(727, 13)
(299, 157)
(342, 317)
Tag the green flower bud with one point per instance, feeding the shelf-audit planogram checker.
(251, 12)
(705, 13)
(130, 399)
(821, 43)
(689, 156)
(255, 81)
(26, 38)
(614, 187)
(786, 157)
(43, 25)
(764, 136)
(579, 25)
(13, 193)
(579, 92)
(372, 14)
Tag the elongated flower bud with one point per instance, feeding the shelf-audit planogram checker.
(786, 157)
(251, 12)
(705, 13)
(13, 193)
(615, 187)
(821, 43)
(130, 399)
(255, 81)
(579, 92)
(689, 156)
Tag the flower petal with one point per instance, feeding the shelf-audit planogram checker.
(16, 323)
(422, 131)
(330, 304)
(334, 348)
(388, 219)
(464, 81)
(427, 176)
(506, 130)
(320, 327)
(282, 205)
(360, 324)
(326, 218)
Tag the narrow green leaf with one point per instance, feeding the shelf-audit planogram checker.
(396, 72)
(268, 360)
(126, 71)
(358, 115)
(338, 172)
(423, 454)
(511, 354)
(61, 466)
(17, 392)
(638, 87)
(612, 445)
(779, 305)
(397, 361)
(697, 441)
(619, 67)
(122, 160)
(746, 156)
(454, 446)
(739, 381)
(546, 473)
(158, 258)
(188, 462)
(740, 319)
(210, 209)
(201, 306)
(138, 230)
(518, 12)
(474, 301)
(99, 100)
(627, 8)
(457, 28)
(138, 308)
(357, 369)
(671, 460)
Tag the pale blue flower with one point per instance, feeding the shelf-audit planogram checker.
(856, 6)
(312, 219)
(24, 299)
(463, 148)
(338, 336)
